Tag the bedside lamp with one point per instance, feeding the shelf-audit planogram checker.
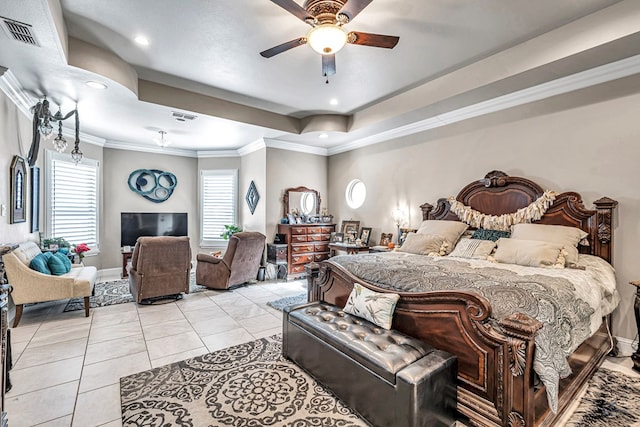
(399, 216)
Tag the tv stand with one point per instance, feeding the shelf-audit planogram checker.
(126, 257)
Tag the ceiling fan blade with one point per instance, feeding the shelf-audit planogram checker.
(328, 65)
(375, 40)
(283, 47)
(294, 9)
(353, 7)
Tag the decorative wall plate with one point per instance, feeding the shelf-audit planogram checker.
(252, 197)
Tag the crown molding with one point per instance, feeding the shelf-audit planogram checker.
(292, 146)
(216, 153)
(122, 145)
(10, 85)
(252, 147)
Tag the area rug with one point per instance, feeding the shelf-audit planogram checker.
(246, 385)
(115, 292)
(251, 384)
(281, 303)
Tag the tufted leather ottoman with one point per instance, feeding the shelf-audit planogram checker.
(389, 378)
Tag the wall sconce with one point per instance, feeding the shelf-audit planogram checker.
(43, 126)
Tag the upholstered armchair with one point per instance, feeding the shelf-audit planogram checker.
(239, 264)
(160, 267)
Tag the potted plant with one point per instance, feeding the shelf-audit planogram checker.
(230, 230)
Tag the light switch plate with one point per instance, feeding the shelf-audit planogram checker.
(3, 210)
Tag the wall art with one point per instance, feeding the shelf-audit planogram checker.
(252, 197)
(18, 180)
(153, 184)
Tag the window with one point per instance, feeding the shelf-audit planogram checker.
(218, 203)
(356, 193)
(72, 199)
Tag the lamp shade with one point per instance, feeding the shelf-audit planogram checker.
(327, 38)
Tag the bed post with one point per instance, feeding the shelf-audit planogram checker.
(604, 245)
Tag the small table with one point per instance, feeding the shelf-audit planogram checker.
(636, 356)
(350, 248)
(379, 249)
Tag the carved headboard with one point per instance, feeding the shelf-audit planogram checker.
(498, 193)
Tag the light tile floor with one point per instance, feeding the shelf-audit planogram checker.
(67, 367)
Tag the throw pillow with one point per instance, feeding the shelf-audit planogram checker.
(473, 248)
(493, 235)
(423, 244)
(57, 264)
(39, 264)
(569, 237)
(373, 306)
(531, 253)
(449, 230)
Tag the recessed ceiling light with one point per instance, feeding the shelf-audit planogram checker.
(96, 85)
(142, 40)
(333, 101)
(323, 136)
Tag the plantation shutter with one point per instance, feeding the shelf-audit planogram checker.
(72, 203)
(218, 203)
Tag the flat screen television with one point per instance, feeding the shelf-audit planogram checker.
(138, 224)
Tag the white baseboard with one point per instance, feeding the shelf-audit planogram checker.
(626, 346)
(110, 272)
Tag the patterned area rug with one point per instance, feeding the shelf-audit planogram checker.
(281, 303)
(246, 385)
(115, 292)
(251, 384)
(611, 400)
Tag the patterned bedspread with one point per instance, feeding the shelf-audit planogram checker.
(570, 303)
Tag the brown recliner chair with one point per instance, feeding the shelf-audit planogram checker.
(239, 264)
(160, 267)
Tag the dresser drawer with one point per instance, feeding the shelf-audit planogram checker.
(321, 247)
(327, 230)
(297, 268)
(298, 238)
(302, 249)
(320, 257)
(314, 230)
(298, 230)
(318, 237)
(301, 259)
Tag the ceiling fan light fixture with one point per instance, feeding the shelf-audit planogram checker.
(327, 39)
(161, 140)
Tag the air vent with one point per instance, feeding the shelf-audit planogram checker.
(19, 31)
(182, 117)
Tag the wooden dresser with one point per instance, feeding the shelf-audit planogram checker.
(305, 243)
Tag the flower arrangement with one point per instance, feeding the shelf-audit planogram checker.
(80, 249)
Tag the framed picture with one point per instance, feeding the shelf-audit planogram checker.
(365, 233)
(18, 180)
(385, 239)
(337, 237)
(350, 230)
(35, 198)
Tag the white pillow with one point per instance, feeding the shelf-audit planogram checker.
(473, 248)
(375, 307)
(449, 230)
(423, 244)
(531, 253)
(569, 237)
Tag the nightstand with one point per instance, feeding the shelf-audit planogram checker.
(636, 356)
(379, 249)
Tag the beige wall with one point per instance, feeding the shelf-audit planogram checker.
(15, 139)
(592, 149)
(118, 197)
(286, 169)
(253, 168)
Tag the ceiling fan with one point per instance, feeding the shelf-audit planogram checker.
(327, 35)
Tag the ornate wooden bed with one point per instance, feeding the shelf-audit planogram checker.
(495, 360)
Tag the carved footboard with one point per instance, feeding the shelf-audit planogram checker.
(495, 359)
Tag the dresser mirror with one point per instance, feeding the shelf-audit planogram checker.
(305, 201)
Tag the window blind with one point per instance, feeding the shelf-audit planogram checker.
(72, 203)
(218, 206)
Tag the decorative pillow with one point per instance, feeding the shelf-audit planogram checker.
(423, 244)
(569, 237)
(65, 259)
(473, 248)
(373, 306)
(39, 264)
(57, 265)
(493, 235)
(532, 253)
(449, 230)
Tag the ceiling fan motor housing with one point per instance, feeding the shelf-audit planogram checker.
(325, 11)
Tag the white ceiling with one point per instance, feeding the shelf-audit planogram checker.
(203, 58)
